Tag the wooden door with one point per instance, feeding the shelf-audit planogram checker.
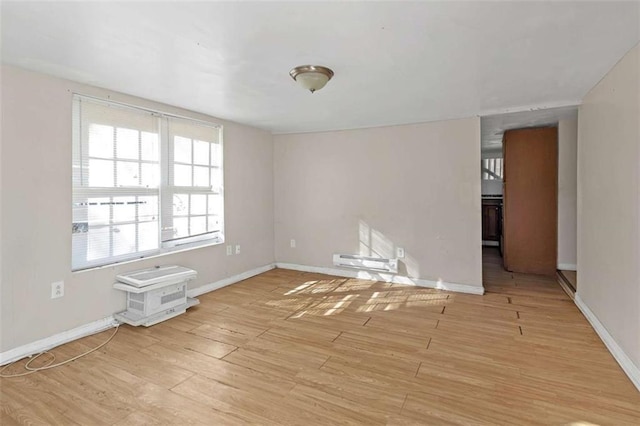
(530, 204)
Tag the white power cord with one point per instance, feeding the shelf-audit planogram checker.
(49, 365)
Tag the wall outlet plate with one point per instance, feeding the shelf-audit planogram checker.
(57, 289)
(229, 250)
(400, 252)
(293, 243)
(237, 248)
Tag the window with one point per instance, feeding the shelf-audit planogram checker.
(143, 183)
(492, 169)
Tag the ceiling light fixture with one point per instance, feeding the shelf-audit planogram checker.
(311, 77)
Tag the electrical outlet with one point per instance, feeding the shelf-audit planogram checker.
(293, 243)
(237, 248)
(57, 289)
(399, 252)
(229, 250)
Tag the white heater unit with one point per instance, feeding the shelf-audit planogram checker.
(160, 274)
(368, 263)
(155, 295)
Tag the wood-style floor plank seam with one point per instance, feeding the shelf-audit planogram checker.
(289, 347)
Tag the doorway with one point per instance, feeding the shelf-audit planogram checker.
(494, 165)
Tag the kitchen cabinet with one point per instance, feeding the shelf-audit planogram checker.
(491, 218)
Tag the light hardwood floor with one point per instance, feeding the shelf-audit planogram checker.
(288, 347)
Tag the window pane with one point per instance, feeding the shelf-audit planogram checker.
(198, 204)
(182, 175)
(99, 211)
(180, 204)
(147, 208)
(98, 246)
(198, 225)
(124, 239)
(127, 144)
(201, 176)
(149, 149)
(215, 204)
(124, 209)
(100, 141)
(180, 227)
(150, 175)
(216, 178)
(128, 174)
(201, 152)
(213, 223)
(182, 150)
(101, 173)
(148, 236)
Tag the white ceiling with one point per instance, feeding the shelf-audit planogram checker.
(493, 126)
(395, 62)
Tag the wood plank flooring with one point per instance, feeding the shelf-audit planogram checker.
(288, 347)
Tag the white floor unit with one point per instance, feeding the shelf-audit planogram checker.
(155, 295)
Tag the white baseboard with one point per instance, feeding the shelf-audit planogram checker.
(56, 340)
(566, 289)
(105, 323)
(195, 292)
(389, 278)
(625, 362)
(567, 267)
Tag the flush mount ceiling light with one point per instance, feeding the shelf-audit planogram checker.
(311, 77)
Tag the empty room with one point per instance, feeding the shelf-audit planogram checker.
(317, 213)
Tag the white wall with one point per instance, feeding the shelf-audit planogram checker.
(567, 193)
(608, 203)
(370, 190)
(36, 211)
(491, 187)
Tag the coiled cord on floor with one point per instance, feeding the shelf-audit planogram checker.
(49, 365)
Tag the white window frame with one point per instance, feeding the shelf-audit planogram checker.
(168, 190)
(164, 191)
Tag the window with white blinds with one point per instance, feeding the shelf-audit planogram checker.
(143, 183)
(492, 168)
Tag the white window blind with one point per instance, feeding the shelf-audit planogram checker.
(143, 183)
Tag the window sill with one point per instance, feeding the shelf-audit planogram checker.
(163, 252)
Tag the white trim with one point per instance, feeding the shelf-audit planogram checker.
(566, 287)
(490, 243)
(389, 278)
(632, 371)
(195, 292)
(567, 267)
(105, 323)
(56, 340)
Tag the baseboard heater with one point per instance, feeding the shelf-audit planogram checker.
(369, 263)
(155, 295)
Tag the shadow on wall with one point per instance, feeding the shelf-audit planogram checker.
(374, 243)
